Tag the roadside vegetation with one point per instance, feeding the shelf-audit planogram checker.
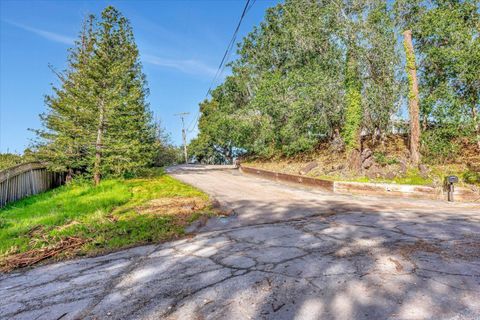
(389, 163)
(82, 219)
(98, 129)
(98, 122)
(362, 90)
(378, 90)
(8, 160)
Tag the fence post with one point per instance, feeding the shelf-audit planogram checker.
(32, 187)
(26, 179)
(6, 187)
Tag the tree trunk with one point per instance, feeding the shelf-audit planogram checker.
(476, 123)
(383, 141)
(355, 160)
(355, 155)
(98, 144)
(337, 141)
(413, 99)
(69, 176)
(226, 154)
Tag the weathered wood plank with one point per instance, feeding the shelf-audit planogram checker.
(19, 169)
(25, 180)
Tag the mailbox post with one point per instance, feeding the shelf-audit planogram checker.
(449, 181)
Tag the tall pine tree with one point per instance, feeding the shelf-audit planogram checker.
(63, 141)
(98, 122)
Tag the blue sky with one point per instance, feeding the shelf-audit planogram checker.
(181, 44)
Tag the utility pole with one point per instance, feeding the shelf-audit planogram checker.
(184, 133)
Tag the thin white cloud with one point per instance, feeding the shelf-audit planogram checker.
(189, 66)
(52, 36)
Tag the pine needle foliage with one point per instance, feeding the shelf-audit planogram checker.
(98, 121)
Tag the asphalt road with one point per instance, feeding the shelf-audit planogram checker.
(284, 253)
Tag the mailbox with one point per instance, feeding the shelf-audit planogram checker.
(452, 179)
(449, 181)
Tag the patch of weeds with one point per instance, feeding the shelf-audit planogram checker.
(471, 177)
(361, 179)
(4, 222)
(437, 146)
(382, 159)
(413, 176)
(150, 173)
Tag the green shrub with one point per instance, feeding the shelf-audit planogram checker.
(471, 177)
(8, 160)
(437, 145)
(383, 160)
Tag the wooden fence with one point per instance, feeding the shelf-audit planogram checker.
(25, 180)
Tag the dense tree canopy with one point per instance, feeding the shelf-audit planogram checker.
(316, 71)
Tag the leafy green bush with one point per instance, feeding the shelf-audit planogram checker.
(382, 159)
(150, 173)
(9, 160)
(472, 177)
(437, 145)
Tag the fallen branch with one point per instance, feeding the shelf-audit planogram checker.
(34, 256)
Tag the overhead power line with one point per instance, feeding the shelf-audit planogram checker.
(194, 122)
(229, 47)
(251, 5)
(226, 55)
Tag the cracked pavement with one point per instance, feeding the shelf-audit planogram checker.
(285, 253)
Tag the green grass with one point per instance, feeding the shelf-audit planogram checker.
(412, 177)
(107, 216)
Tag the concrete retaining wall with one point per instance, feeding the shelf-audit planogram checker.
(376, 189)
(277, 176)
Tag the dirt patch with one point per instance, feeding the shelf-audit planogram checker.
(398, 265)
(34, 256)
(173, 206)
(350, 251)
(466, 249)
(407, 250)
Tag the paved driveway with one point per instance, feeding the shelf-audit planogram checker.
(285, 253)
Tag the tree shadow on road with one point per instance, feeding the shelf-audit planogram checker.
(339, 261)
(287, 255)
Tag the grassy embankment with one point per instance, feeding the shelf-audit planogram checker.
(80, 219)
